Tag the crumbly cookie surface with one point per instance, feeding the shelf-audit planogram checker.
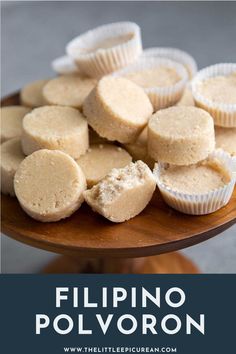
(219, 89)
(181, 135)
(68, 90)
(195, 179)
(156, 77)
(55, 127)
(123, 193)
(117, 109)
(49, 185)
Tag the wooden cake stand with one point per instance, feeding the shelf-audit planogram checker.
(91, 244)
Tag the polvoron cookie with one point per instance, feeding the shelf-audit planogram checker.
(55, 128)
(117, 109)
(49, 185)
(181, 135)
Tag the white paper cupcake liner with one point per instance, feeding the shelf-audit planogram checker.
(200, 204)
(64, 65)
(174, 54)
(224, 114)
(160, 97)
(101, 62)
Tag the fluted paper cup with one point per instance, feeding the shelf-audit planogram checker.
(200, 204)
(224, 114)
(64, 65)
(97, 62)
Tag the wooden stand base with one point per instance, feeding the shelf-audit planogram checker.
(170, 263)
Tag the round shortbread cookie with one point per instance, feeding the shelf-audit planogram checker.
(214, 90)
(117, 109)
(123, 193)
(219, 89)
(68, 90)
(31, 95)
(100, 159)
(11, 157)
(199, 178)
(226, 139)
(139, 150)
(11, 121)
(49, 185)
(200, 188)
(55, 128)
(181, 135)
(160, 76)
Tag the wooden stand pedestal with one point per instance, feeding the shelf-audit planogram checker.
(170, 263)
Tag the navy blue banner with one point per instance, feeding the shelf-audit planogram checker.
(117, 314)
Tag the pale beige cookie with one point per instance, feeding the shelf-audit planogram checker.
(49, 185)
(175, 54)
(117, 109)
(55, 128)
(187, 99)
(181, 135)
(199, 178)
(123, 193)
(100, 159)
(161, 76)
(226, 139)
(139, 150)
(31, 94)
(219, 89)
(68, 90)
(214, 90)
(163, 80)
(11, 121)
(11, 157)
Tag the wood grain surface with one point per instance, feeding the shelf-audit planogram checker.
(158, 229)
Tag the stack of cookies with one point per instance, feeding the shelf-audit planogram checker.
(192, 176)
(115, 111)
